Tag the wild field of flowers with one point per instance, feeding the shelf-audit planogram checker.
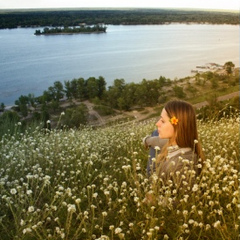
(92, 183)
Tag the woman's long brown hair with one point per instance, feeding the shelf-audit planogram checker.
(186, 128)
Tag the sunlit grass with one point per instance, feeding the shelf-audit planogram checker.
(91, 184)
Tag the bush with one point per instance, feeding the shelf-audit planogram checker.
(103, 110)
(75, 117)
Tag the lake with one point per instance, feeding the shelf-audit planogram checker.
(30, 64)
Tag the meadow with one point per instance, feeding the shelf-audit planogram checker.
(91, 183)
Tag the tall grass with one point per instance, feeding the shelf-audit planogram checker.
(92, 183)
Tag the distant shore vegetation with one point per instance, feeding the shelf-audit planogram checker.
(97, 28)
(55, 18)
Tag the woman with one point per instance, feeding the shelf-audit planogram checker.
(180, 159)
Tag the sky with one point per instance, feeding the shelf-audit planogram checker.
(196, 4)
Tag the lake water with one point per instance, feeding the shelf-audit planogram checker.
(30, 64)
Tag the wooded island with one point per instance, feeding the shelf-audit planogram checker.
(98, 28)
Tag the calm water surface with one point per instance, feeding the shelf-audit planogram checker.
(30, 64)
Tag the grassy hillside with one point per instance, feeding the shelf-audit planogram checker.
(91, 184)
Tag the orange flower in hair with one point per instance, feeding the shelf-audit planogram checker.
(174, 120)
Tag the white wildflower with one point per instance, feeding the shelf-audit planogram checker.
(118, 230)
(111, 227)
(185, 213)
(78, 200)
(195, 187)
(29, 192)
(22, 222)
(71, 208)
(31, 209)
(165, 237)
(13, 191)
(27, 230)
(95, 195)
(157, 148)
(104, 214)
(217, 224)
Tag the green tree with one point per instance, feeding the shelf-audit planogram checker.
(68, 89)
(54, 105)
(22, 100)
(58, 90)
(178, 91)
(229, 67)
(81, 89)
(162, 97)
(2, 107)
(31, 100)
(22, 104)
(23, 109)
(129, 96)
(191, 89)
(214, 83)
(115, 92)
(148, 92)
(162, 81)
(101, 86)
(208, 75)
(92, 87)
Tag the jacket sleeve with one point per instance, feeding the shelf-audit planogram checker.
(155, 141)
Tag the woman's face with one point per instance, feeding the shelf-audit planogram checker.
(165, 128)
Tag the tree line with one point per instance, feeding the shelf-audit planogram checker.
(120, 96)
(14, 19)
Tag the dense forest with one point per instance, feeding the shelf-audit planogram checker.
(30, 18)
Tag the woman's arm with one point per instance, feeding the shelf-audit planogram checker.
(154, 141)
